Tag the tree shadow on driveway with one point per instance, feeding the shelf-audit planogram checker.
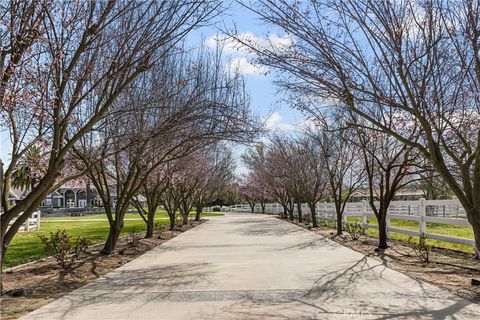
(127, 285)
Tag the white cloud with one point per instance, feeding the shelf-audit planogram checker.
(274, 122)
(241, 55)
(244, 66)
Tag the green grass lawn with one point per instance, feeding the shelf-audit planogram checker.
(158, 215)
(26, 246)
(435, 228)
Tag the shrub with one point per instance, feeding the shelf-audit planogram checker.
(132, 238)
(328, 223)
(158, 229)
(307, 219)
(64, 248)
(420, 248)
(178, 221)
(216, 209)
(355, 230)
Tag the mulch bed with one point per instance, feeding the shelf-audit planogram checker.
(43, 281)
(448, 269)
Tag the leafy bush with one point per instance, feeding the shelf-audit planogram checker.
(216, 209)
(355, 230)
(63, 248)
(178, 221)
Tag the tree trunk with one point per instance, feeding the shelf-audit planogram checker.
(474, 220)
(299, 211)
(198, 213)
(184, 218)
(339, 223)
(314, 216)
(476, 233)
(150, 221)
(149, 233)
(382, 231)
(171, 216)
(114, 233)
(252, 207)
(290, 211)
(1, 262)
(7, 233)
(285, 212)
(263, 207)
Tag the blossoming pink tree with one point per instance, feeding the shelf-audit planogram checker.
(215, 177)
(62, 74)
(251, 190)
(183, 104)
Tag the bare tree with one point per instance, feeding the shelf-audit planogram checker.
(152, 190)
(344, 165)
(179, 106)
(310, 163)
(289, 171)
(390, 165)
(283, 154)
(261, 164)
(22, 25)
(417, 59)
(172, 198)
(216, 174)
(248, 190)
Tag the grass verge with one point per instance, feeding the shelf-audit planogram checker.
(26, 246)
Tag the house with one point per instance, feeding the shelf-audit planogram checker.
(75, 197)
(15, 195)
(64, 197)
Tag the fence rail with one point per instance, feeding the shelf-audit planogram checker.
(449, 212)
(33, 222)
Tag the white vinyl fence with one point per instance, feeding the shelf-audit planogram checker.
(33, 222)
(448, 212)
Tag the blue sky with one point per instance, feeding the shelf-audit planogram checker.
(266, 101)
(265, 98)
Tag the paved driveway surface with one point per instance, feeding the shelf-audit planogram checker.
(255, 267)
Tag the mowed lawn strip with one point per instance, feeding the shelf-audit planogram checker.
(435, 228)
(26, 246)
(102, 216)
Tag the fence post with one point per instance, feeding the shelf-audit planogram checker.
(422, 219)
(325, 213)
(39, 213)
(364, 213)
(27, 224)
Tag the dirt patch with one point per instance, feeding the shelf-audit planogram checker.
(44, 281)
(447, 269)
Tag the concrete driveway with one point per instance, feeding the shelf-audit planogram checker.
(255, 267)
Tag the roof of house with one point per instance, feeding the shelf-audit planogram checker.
(16, 194)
